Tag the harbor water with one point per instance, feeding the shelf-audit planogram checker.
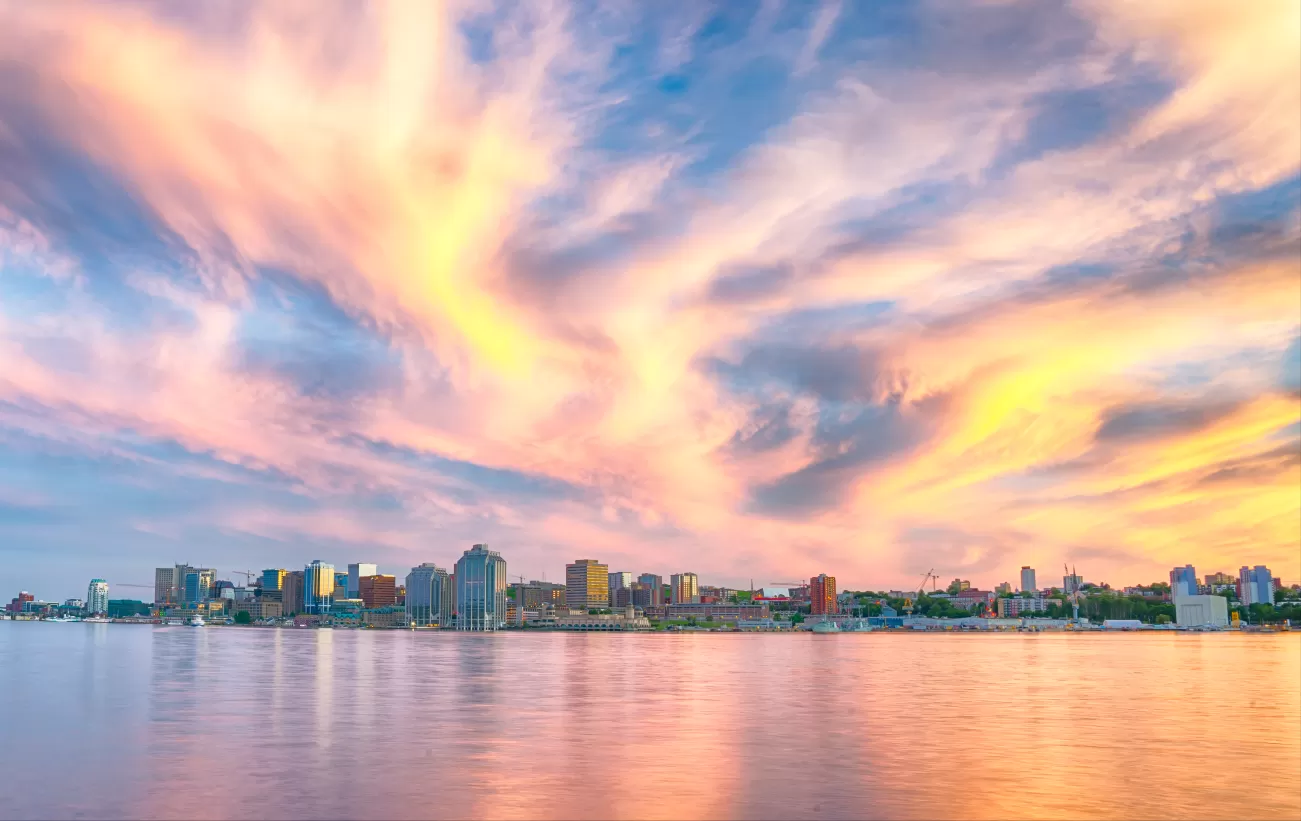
(121, 721)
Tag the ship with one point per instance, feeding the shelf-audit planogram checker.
(196, 621)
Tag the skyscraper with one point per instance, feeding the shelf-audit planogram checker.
(198, 584)
(1183, 581)
(378, 591)
(656, 585)
(429, 596)
(97, 597)
(273, 579)
(1256, 586)
(621, 580)
(481, 590)
(1028, 584)
(587, 584)
(1072, 583)
(164, 586)
(318, 587)
(822, 595)
(355, 572)
(291, 591)
(685, 587)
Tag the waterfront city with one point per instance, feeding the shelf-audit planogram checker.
(475, 594)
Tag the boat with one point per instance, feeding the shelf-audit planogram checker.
(96, 620)
(196, 621)
(826, 626)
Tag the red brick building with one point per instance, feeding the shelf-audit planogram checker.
(822, 595)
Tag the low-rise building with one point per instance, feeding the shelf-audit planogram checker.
(1011, 608)
(392, 616)
(1201, 611)
(718, 611)
(260, 608)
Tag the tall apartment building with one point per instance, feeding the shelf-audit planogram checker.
(1072, 583)
(481, 590)
(1256, 585)
(621, 580)
(429, 596)
(356, 571)
(1028, 584)
(685, 588)
(318, 587)
(378, 591)
(1183, 581)
(822, 595)
(97, 596)
(655, 585)
(587, 584)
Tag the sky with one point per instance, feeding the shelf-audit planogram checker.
(757, 290)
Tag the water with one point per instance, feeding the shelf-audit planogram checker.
(133, 721)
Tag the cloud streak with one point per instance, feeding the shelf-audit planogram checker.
(667, 287)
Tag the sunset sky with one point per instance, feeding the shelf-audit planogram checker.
(756, 290)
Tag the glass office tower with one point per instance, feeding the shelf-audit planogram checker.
(480, 590)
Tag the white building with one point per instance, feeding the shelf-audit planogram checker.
(97, 596)
(1201, 611)
(1028, 584)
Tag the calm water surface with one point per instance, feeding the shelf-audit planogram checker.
(131, 721)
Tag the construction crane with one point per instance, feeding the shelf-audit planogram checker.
(921, 591)
(144, 586)
(247, 574)
(1074, 592)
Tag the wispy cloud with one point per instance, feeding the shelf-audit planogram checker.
(852, 288)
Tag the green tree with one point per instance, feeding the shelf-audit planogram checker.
(243, 617)
(1163, 619)
(796, 618)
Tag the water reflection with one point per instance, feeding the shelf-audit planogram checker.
(223, 722)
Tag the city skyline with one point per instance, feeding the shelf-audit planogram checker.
(593, 576)
(761, 290)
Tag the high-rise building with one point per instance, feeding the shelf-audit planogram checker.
(644, 595)
(528, 595)
(822, 595)
(429, 596)
(481, 590)
(1005, 587)
(355, 573)
(378, 591)
(587, 584)
(199, 582)
(1072, 583)
(318, 587)
(291, 591)
(656, 585)
(1256, 585)
(272, 579)
(164, 586)
(1028, 584)
(1183, 581)
(97, 596)
(621, 580)
(685, 588)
